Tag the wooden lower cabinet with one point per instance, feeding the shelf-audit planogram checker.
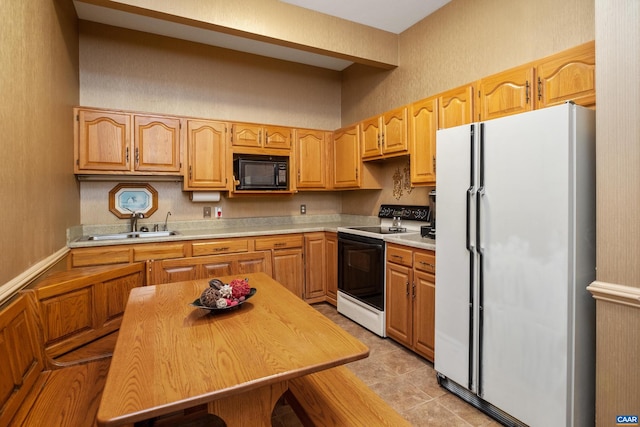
(331, 244)
(81, 305)
(286, 258)
(315, 272)
(205, 267)
(410, 287)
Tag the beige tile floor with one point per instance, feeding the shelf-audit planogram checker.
(403, 379)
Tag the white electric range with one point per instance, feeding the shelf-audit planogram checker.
(361, 263)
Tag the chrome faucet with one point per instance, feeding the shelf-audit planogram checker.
(134, 220)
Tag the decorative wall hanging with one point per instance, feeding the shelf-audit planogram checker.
(124, 199)
(402, 181)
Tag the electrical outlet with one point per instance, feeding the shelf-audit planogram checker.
(218, 212)
(206, 212)
(303, 209)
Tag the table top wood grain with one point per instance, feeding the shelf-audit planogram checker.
(171, 356)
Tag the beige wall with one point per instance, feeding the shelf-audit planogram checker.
(464, 41)
(39, 86)
(618, 194)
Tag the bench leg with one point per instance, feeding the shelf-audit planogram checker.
(250, 409)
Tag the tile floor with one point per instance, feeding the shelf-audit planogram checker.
(403, 379)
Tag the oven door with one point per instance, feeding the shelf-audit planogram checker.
(361, 268)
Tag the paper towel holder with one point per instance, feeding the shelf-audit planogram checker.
(205, 196)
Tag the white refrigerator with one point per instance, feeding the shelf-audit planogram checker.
(515, 251)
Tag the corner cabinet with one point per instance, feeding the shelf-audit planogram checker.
(120, 142)
(206, 155)
(410, 311)
(423, 123)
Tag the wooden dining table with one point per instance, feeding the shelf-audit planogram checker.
(171, 356)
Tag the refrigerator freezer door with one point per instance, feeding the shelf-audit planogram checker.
(454, 341)
(526, 245)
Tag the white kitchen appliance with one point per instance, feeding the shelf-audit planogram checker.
(515, 325)
(361, 264)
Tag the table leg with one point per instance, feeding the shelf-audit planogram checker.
(250, 409)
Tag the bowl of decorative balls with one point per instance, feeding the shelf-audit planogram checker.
(221, 296)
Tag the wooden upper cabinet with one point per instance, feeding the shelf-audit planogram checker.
(156, 144)
(260, 137)
(370, 138)
(115, 142)
(394, 132)
(506, 93)
(206, 155)
(455, 107)
(311, 158)
(102, 141)
(423, 123)
(385, 135)
(568, 76)
(346, 158)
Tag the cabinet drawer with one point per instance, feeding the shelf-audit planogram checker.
(279, 242)
(425, 261)
(160, 251)
(399, 255)
(99, 256)
(219, 247)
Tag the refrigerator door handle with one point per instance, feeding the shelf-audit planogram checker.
(480, 249)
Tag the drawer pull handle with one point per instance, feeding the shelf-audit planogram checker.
(221, 249)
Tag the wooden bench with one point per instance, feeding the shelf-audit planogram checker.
(35, 390)
(337, 397)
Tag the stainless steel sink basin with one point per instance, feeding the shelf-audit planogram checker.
(132, 235)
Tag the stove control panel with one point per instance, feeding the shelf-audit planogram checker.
(405, 212)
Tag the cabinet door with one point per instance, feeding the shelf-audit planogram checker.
(506, 93)
(236, 264)
(156, 144)
(206, 154)
(423, 124)
(102, 141)
(399, 304)
(277, 137)
(288, 269)
(346, 158)
(370, 138)
(455, 107)
(394, 132)
(246, 135)
(568, 76)
(311, 154)
(332, 267)
(424, 313)
(315, 272)
(173, 270)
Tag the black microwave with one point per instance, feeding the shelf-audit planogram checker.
(255, 172)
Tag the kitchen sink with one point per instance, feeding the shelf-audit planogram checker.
(132, 235)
